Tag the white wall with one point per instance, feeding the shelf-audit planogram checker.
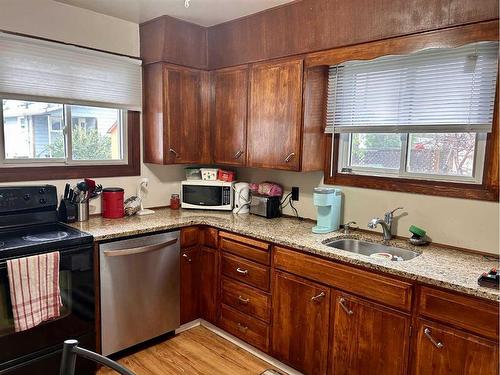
(53, 20)
(457, 222)
(65, 23)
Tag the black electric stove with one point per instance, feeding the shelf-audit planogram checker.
(28, 226)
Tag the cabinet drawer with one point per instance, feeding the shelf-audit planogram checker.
(246, 299)
(470, 313)
(248, 329)
(246, 247)
(379, 288)
(189, 236)
(245, 271)
(245, 251)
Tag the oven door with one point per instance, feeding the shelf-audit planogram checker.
(77, 319)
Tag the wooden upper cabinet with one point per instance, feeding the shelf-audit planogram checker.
(300, 323)
(229, 121)
(275, 115)
(176, 129)
(367, 338)
(440, 350)
(183, 108)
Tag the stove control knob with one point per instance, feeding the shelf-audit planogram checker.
(42, 191)
(42, 201)
(26, 197)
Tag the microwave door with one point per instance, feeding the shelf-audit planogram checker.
(202, 196)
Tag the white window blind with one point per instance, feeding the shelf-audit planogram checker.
(432, 91)
(35, 68)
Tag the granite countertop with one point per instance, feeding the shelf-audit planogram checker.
(447, 268)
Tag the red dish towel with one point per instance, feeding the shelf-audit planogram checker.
(34, 289)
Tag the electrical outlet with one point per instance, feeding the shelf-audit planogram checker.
(295, 193)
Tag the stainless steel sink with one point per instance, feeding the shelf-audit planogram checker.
(372, 249)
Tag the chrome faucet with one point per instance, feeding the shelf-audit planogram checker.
(386, 224)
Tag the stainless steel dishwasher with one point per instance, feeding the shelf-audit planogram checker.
(139, 280)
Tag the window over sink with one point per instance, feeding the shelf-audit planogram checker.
(419, 116)
(414, 114)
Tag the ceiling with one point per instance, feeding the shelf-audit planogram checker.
(201, 12)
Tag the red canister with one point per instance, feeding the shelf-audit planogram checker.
(112, 203)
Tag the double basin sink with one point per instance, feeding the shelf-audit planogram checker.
(372, 249)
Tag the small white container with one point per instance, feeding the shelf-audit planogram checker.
(209, 174)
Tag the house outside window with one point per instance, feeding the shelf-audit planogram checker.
(59, 133)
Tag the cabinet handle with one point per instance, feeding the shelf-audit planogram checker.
(289, 157)
(342, 304)
(238, 154)
(186, 257)
(242, 328)
(437, 344)
(242, 271)
(319, 297)
(243, 301)
(176, 154)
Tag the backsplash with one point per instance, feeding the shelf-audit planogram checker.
(445, 219)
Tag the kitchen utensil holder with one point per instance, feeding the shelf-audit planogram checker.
(82, 211)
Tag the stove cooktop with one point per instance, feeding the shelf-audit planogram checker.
(23, 241)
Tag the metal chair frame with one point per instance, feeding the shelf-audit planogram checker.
(71, 351)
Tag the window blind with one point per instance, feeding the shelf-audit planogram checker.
(432, 91)
(35, 68)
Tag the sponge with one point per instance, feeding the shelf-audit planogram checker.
(417, 231)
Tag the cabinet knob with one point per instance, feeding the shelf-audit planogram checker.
(243, 301)
(186, 257)
(342, 303)
(437, 344)
(242, 271)
(238, 154)
(242, 328)
(176, 154)
(289, 157)
(319, 297)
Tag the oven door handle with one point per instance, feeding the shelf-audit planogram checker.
(139, 250)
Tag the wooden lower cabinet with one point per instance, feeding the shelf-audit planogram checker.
(301, 312)
(367, 338)
(208, 284)
(189, 285)
(440, 350)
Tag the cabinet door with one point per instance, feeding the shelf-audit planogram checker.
(183, 107)
(367, 338)
(190, 271)
(209, 266)
(230, 116)
(275, 115)
(300, 323)
(441, 350)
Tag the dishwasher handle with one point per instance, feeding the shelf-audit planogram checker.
(139, 249)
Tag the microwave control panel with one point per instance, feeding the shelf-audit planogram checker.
(226, 195)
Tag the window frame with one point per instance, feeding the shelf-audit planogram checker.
(344, 151)
(67, 133)
(43, 170)
(488, 189)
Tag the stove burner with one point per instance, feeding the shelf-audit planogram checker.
(46, 236)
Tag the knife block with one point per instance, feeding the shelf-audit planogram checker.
(67, 211)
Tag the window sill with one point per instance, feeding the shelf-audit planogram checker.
(438, 188)
(57, 172)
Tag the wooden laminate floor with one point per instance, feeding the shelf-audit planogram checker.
(197, 351)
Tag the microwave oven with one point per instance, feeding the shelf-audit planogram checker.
(207, 195)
